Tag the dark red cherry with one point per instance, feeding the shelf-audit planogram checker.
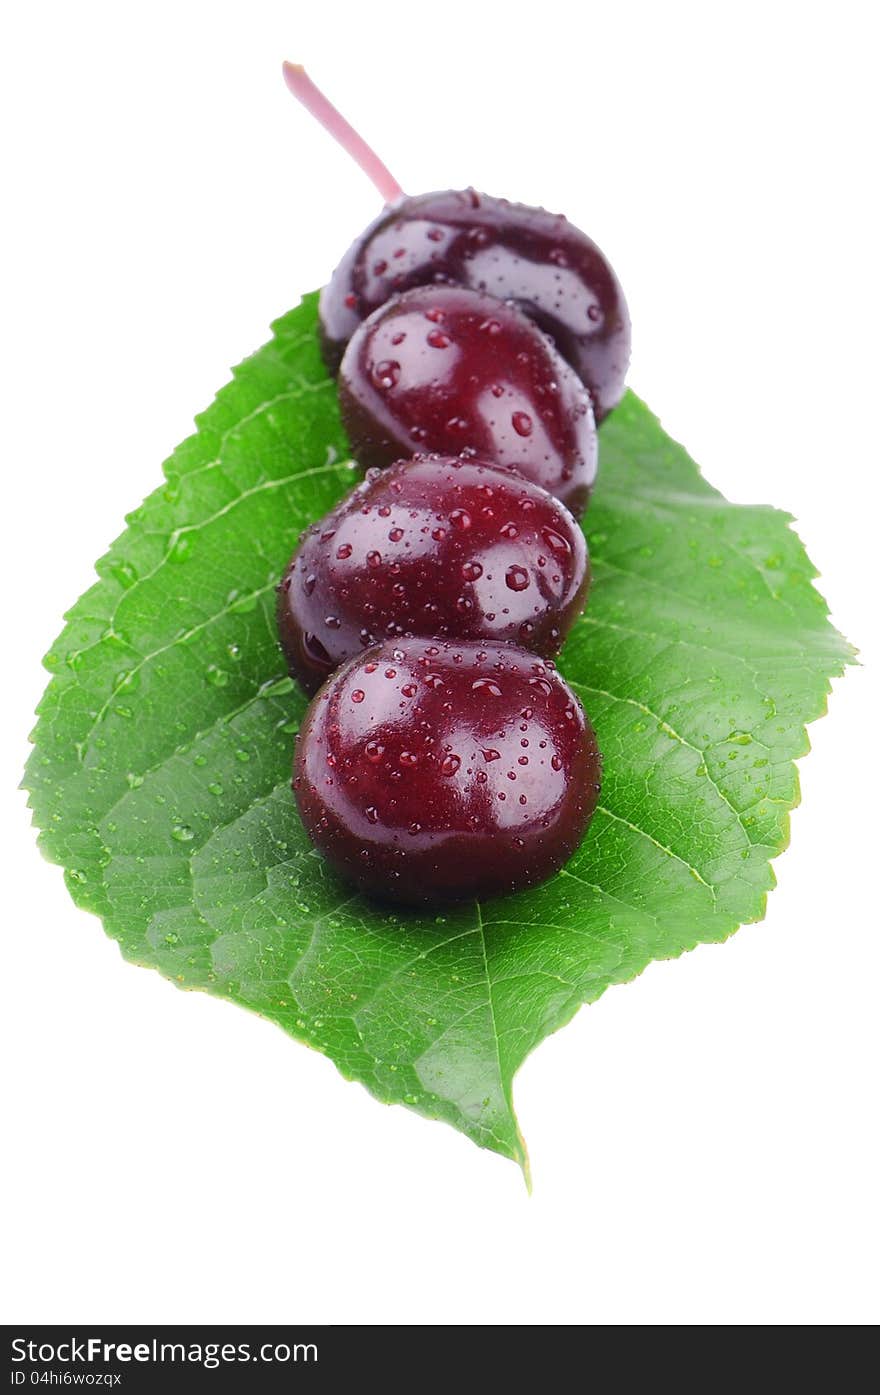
(432, 546)
(427, 770)
(538, 259)
(450, 370)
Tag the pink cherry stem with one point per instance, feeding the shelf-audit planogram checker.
(314, 101)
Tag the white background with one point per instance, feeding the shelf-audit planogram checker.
(704, 1141)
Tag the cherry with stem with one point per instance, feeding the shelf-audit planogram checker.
(537, 260)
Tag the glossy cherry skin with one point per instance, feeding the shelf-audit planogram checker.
(429, 770)
(452, 371)
(432, 546)
(548, 267)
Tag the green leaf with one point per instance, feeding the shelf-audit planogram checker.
(160, 774)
